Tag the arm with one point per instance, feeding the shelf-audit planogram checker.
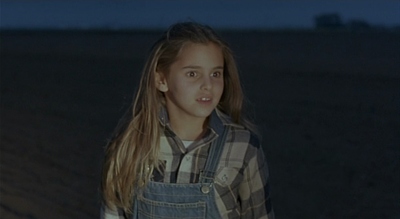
(254, 190)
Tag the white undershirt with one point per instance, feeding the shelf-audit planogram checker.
(187, 143)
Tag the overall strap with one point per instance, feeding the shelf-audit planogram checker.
(213, 158)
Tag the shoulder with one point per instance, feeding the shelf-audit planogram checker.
(242, 135)
(242, 147)
(239, 133)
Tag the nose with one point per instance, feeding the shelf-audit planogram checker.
(206, 83)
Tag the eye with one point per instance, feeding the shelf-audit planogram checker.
(191, 74)
(216, 74)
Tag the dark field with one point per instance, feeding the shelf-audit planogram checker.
(327, 105)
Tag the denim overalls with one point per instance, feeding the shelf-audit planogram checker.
(193, 200)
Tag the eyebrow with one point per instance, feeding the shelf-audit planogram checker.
(198, 67)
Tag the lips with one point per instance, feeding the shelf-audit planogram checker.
(204, 99)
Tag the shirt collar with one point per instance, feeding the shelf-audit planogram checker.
(217, 120)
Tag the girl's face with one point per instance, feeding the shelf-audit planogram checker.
(194, 84)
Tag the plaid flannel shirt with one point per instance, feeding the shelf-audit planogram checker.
(241, 180)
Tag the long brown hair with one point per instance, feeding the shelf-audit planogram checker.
(133, 152)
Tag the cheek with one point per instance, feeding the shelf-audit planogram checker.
(183, 88)
(218, 90)
(220, 86)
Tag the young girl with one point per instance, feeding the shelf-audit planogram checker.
(187, 151)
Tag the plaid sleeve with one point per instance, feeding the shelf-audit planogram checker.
(254, 190)
(108, 213)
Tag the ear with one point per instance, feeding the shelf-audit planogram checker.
(161, 82)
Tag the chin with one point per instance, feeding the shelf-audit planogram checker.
(203, 113)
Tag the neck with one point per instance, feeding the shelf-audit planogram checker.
(188, 129)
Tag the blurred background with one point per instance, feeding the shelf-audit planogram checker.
(114, 15)
(322, 79)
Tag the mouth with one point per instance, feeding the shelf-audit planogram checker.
(204, 99)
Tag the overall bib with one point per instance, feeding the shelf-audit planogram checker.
(193, 200)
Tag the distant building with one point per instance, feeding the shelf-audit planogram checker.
(329, 21)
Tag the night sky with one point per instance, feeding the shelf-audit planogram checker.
(160, 14)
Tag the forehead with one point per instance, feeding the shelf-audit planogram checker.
(200, 53)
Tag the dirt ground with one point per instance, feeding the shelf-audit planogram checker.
(327, 104)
